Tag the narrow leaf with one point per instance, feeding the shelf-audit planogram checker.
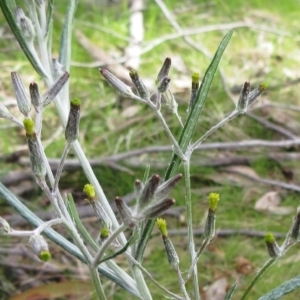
(66, 37)
(187, 131)
(283, 289)
(74, 214)
(131, 241)
(49, 14)
(49, 30)
(231, 291)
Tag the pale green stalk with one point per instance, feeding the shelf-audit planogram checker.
(182, 285)
(61, 166)
(234, 114)
(203, 245)
(97, 283)
(189, 216)
(138, 265)
(39, 123)
(266, 266)
(162, 120)
(108, 241)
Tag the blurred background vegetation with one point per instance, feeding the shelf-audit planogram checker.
(258, 184)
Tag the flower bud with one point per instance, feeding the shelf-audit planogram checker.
(116, 83)
(139, 85)
(210, 225)
(158, 208)
(242, 103)
(163, 85)
(22, 99)
(104, 220)
(164, 71)
(148, 192)
(138, 188)
(194, 89)
(162, 226)
(125, 213)
(104, 233)
(171, 252)
(40, 247)
(72, 128)
(89, 191)
(25, 25)
(213, 200)
(29, 126)
(296, 226)
(272, 246)
(56, 87)
(35, 97)
(164, 189)
(35, 151)
(256, 93)
(36, 158)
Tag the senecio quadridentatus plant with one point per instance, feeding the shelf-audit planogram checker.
(33, 31)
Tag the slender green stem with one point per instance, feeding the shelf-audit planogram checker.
(84, 233)
(234, 114)
(16, 121)
(188, 205)
(203, 245)
(182, 285)
(257, 277)
(61, 166)
(97, 283)
(49, 223)
(119, 252)
(37, 231)
(39, 123)
(107, 243)
(138, 265)
(140, 281)
(43, 185)
(61, 205)
(176, 146)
